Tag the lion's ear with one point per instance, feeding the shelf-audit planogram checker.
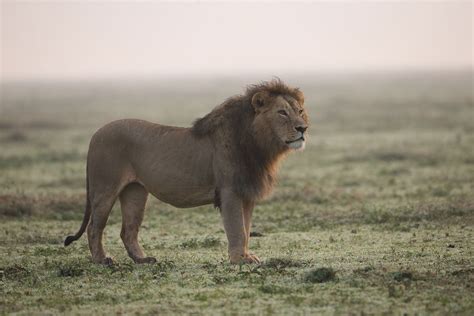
(260, 99)
(299, 97)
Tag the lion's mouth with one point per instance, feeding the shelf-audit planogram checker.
(296, 140)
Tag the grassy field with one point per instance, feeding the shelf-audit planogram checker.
(375, 216)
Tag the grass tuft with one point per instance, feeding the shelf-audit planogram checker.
(206, 242)
(283, 263)
(14, 272)
(320, 275)
(400, 276)
(70, 270)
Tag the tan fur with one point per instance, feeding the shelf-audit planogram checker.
(228, 158)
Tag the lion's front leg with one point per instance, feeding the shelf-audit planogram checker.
(234, 226)
(247, 212)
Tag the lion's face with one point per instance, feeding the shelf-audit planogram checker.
(284, 117)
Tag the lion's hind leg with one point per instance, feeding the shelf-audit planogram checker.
(101, 210)
(133, 199)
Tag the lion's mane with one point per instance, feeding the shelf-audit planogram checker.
(254, 160)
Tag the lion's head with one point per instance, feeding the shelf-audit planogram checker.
(279, 110)
(257, 129)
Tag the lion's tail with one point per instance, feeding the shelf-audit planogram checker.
(85, 221)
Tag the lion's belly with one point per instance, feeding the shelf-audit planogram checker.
(178, 186)
(184, 198)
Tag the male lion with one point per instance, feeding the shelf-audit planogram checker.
(229, 158)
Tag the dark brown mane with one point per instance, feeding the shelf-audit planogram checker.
(276, 87)
(256, 163)
(209, 123)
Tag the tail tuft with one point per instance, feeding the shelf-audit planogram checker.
(69, 240)
(85, 220)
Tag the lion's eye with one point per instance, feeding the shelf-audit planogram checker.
(283, 112)
(301, 111)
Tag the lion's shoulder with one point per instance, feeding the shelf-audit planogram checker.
(228, 111)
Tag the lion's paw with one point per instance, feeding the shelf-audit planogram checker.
(107, 261)
(247, 258)
(254, 258)
(146, 260)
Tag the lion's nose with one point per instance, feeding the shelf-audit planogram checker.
(301, 128)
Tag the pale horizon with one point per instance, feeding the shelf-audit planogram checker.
(85, 40)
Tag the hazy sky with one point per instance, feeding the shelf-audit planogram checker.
(81, 39)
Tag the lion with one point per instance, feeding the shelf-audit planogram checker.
(229, 158)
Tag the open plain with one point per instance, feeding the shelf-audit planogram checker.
(376, 216)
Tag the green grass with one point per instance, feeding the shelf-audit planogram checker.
(375, 216)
